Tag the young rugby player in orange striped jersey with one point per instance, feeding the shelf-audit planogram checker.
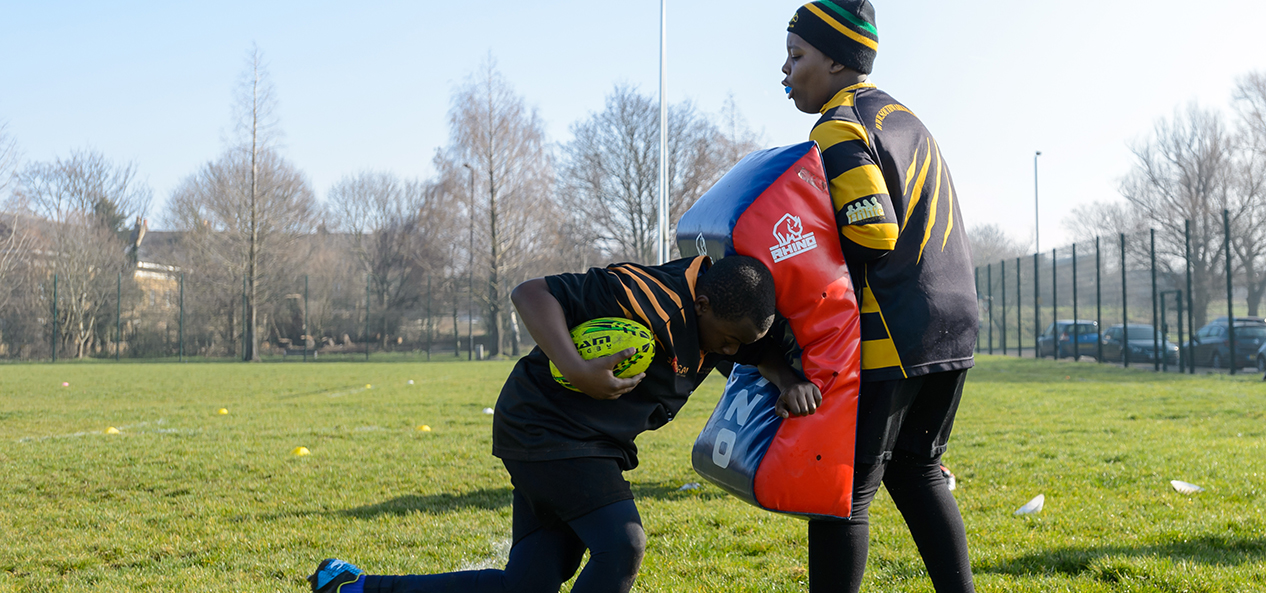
(566, 451)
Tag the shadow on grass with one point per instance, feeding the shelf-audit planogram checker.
(1099, 562)
(491, 499)
(488, 499)
(673, 491)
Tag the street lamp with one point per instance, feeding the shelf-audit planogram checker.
(1037, 244)
(662, 247)
(470, 273)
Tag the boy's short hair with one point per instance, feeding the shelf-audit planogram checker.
(740, 287)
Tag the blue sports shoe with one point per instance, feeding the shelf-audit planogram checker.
(335, 576)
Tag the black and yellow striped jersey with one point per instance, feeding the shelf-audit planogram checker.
(902, 235)
(537, 419)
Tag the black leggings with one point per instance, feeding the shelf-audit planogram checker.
(837, 549)
(546, 557)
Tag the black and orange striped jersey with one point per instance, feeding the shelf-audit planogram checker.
(902, 235)
(537, 419)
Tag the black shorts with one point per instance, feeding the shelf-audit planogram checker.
(559, 490)
(912, 415)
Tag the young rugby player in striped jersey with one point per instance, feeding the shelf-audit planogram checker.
(905, 244)
(565, 451)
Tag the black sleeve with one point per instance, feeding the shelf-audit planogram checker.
(585, 296)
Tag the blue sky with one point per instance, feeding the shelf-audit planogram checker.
(366, 85)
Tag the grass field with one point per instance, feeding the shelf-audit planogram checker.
(187, 500)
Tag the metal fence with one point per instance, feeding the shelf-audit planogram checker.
(163, 313)
(1081, 301)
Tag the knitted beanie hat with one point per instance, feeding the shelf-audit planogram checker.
(844, 30)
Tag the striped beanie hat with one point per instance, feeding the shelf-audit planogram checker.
(844, 30)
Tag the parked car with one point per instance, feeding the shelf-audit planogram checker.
(1211, 344)
(1142, 345)
(1261, 360)
(1062, 331)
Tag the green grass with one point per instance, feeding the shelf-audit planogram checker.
(185, 500)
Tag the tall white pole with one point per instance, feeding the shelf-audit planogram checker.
(1037, 243)
(663, 243)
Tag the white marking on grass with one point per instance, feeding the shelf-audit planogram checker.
(500, 555)
(75, 435)
(346, 392)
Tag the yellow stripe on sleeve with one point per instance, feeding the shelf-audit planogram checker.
(832, 132)
(880, 236)
(879, 354)
(936, 196)
(918, 186)
(869, 304)
(858, 182)
(950, 211)
(851, 34)
(910, 173)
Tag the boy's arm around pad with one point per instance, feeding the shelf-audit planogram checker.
(798, 397)
(543, 317)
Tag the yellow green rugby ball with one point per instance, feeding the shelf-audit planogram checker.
(605, 336)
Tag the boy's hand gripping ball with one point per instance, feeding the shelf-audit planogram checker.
(605, 336)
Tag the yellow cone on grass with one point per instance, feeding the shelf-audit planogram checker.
(223, 411)
(300, 451)
(111, 430)
(368, 386)
(425, 428)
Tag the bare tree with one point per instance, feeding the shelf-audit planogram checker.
(84, 200)
(502, 140)
(246, 212)
(9, 157)
(14, 237)
(1183, 172)
(398, 231)
(1249, 202)
(991, 244)
(609, 181)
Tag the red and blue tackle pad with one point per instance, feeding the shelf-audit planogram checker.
(774, 206)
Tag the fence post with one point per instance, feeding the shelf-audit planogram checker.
(989, 291)
(1076, 327)
(305, 318)
(1037, 309)
(470, 321)
(428, 318)
(243, 324)
(1098, 303)
(118, 315)
(1191, 304)
(1003, 312)
(54, 318)
(366, 317)
(1230, 305)
(1163, 330)
(976, 280)
(1180, 331)
(1019, 327)
(1055, 302)
(1125, 312)
(181, 333)
(1155, 322)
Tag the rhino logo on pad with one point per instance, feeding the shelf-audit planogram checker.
(791, 238)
